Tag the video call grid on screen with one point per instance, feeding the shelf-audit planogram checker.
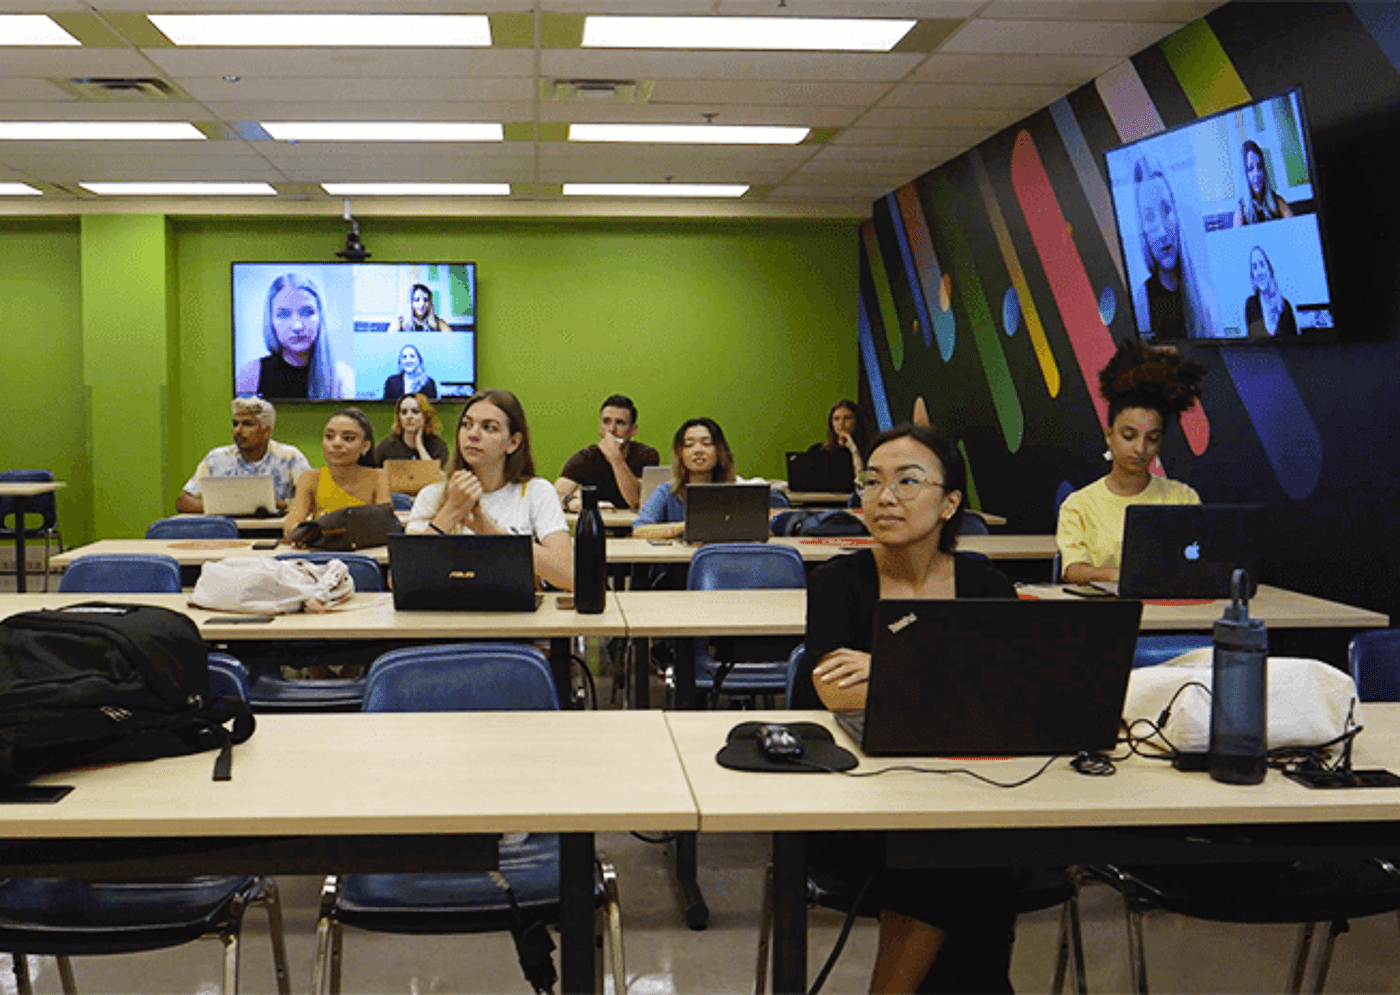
(365, 304)
(1203, 163)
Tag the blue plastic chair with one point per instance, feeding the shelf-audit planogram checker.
(42, 505)
(743, 566)
(117, 573)
(457, 678)
(401, 501)
(61, 918)
(364, 569)
(193, 527)
(1374, 661)
(1154, 649)
(974, 524)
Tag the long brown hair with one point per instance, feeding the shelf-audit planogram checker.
(431, 425)
(723, 472)
(861, 433)
(520, 465)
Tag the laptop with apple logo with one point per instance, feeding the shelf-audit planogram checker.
(1188, 550)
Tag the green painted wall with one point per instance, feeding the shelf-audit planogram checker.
(43, 404)
(116, 372)
(748, 322)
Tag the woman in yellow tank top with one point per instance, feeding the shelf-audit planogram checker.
(348, 478)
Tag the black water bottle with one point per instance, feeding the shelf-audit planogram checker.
(590, 556)
(1239, 694)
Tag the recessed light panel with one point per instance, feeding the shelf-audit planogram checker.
(19, 190)
(99, 131)
(179, 189)
(383, 131)
(693, 134)
(326, 30)
(32, 29)
(795, 34)
(655, 189)
(417, 189)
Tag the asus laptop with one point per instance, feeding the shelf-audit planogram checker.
(409, 476)
(821, 471)
(463, 573)
(239, 497)
(1187, 550)
(973, 677)
(726, 513)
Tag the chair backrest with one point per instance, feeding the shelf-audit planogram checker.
(42, 505)
(228, 678)
(119, 573)
(832, 522)
(1374, 661)
(402, 501)
(745, 566)
(465, 677)
(794, 665)
(778, 499)
(974, 524)
(193, 527)
(364, 569)
(1159, 648)
(784, 523)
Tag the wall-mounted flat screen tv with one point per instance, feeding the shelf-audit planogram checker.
(354, 331)
(1220, 228)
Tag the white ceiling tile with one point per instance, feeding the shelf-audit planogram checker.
(81, 110)
(357, 89)
(925, 137)
(330, 63)
(1121, 38)
(881, 156)
(836, 66)
(799, 94)
(309, 6)
(1099, 10)
(939, 117)
(853, 8)
(972, 95)
(1043, 70)
(421, 111)
(65, 62)
(812, 117)
(20, 88)
(864, 193)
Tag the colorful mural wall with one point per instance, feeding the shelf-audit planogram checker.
(993, 289)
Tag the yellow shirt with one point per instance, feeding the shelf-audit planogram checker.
(330, 496)
(1091, 519)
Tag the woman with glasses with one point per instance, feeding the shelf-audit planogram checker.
(1147, 388)
(954, 926)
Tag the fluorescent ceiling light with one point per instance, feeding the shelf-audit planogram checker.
(695, 134)
(179, 189)
(417, 189)
(326, 30)
(655, 189)
(19, 190)
(383, 131)
(32, 29)
(99, 131)
(798, 34)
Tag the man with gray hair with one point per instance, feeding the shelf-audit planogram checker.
(254, 453)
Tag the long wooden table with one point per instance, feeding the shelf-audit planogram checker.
(1146, 813)
(997, 547)
(21, 491)
(381, 793)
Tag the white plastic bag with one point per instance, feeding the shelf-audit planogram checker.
(266, 586)
(1309, 704)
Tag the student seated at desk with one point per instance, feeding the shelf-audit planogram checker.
(699, 455)
(1147, 388)
(491, 488)
(254, 453)
(954, 926)
(349, 476)
(847, 435)
(415, 433)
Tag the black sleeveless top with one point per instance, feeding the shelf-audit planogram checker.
(278, 378)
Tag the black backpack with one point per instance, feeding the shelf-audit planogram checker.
(98, 683)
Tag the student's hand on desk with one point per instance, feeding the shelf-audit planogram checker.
(844, 668)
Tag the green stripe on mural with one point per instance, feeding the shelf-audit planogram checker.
(889, 317)
(973, 501)
(1203, 69)
(967, 285)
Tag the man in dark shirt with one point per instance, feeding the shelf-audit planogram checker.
(614, 464)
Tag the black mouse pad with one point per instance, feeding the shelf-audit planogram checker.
(819, 750)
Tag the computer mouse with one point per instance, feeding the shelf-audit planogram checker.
(779, 742)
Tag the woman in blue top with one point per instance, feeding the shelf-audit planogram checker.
(699, 455)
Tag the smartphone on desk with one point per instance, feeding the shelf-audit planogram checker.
(237, 619)
(1087, 591)
(267, 544)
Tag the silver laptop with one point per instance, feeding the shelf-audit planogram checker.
(239, 497)
(652, 478)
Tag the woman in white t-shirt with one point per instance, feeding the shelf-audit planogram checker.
(491, 488)
(1147, 388)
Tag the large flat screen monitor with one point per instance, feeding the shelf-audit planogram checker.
(1219, 225)
(354, 331)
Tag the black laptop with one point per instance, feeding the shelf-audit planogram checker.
(726, 513)
(822, 471)
(972, 677)
(463, 573)
(1187, 550)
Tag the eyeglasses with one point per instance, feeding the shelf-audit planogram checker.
(905, 487)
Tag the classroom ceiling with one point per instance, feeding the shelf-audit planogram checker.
(967, 69)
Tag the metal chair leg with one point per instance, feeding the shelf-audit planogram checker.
(1324, 960)
(20, 965)
(765, 932)
(66, 980)
(337, 947)
(1137, 955)
(329, 889)
(229, 939)
(1301, 951)
(271, 902)
(613, 909)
